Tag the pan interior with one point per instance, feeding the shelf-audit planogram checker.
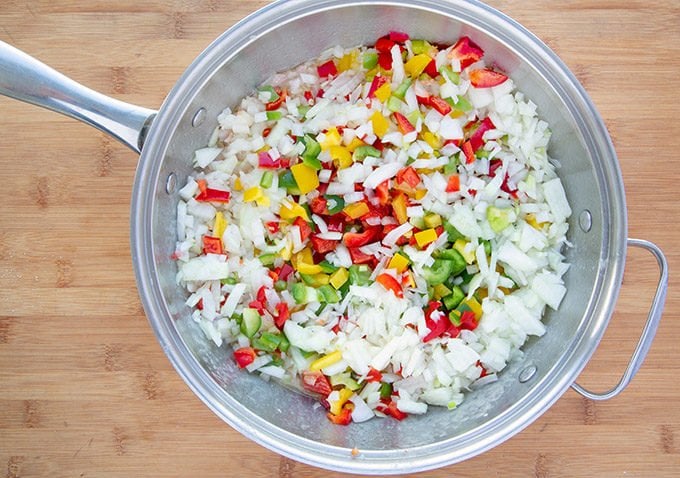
(282, 36)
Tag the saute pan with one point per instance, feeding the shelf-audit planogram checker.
(283, 35)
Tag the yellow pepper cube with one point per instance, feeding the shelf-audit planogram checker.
(345, 63)
(380, 124)
(356, 210)
(384, 92)
(341, 156)
(432, 220)
(311, 269)
(237, 185)
(305, 177)
(287, 252)
(339, 277)
(332, 138)
(423, 238)
(419, 194)
(252, 194)
(344, 394)
(439, 291)
(475, 306)
(461, 246)
(220, 224)
(398, 262)
(399, 207)
(354, 144)
(293, 211)
(304, 257)
(416, 65)
(263, 201)
(325, 361)
(432, 139)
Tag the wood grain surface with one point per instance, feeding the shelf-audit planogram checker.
(85, 389)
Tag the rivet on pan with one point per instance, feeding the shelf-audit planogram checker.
(171, 183)
(527, 374)
(585, 220)
(199, 117)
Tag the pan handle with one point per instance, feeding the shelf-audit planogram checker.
(649, 330)
(24, 78)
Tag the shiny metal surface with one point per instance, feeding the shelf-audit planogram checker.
(24, 78)
(278, 37)
(648, 332)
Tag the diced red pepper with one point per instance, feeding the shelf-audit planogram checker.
(213, 195)
(285, 271)
(327, 69)
(392, 410)
(485, 372)
(276, 104)
(378, 81)
(282, 314)
(441, 105)
(423, 100)
(261, 294)
(265, 132)
(437, 326)
(316, 382)
(305, 229)
(257, 305)
(385, 60)
(466, 51)
(265, 161)
(343, 418)
(494, 164)
(272, 226)
(391, 284)
(398, 37)
(468, 152)
(359, 257)
(486, 78)
(212, 245)
(468, 320)
(336, 223)
(244, 356)
(373, 375)
(453, 184)
(403, 123)
(384, 44)
(409, 176)
(358, 239)
(308, 95)
(403, 240)
(382, 192)
(318, 205)
(477, 138)
(431, 69)
(323, 246)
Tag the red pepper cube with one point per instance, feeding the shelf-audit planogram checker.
(327, 69)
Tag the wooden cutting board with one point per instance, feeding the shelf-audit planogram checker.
(85, 390)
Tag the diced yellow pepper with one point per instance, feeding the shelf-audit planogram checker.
(398, 262)
(410, 281)
(220, 224)
(325, 361)
(237, 185)
(354, 144)
(345, 63)
(263, 201)
(287, 252)
(475, 306)
(380, 124)
(295, 210)
(341, 156)
(416, 65)
(531, 220)
(423, 238)
(432, 139)
(336, 405)
(303, 257)
(304, 268)
(339, 277)
(321, 279)
(419, 194)
(384, 92)
(305, 177)
(468, 255)
(332, 138)
(482, 292)
(252, 194)
(432, 220)
(439, 291)
(399, 207)
(356, 210)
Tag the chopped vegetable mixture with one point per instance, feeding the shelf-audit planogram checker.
(380, 226)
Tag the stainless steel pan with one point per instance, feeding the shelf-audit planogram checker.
(281, 36)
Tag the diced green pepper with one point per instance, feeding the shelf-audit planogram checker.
(359, 274)
(438, 272)
(370, 60)
(280, 285)
(499, 218)
(303, 294)
(311, 152)
(268, 259)
(334, 204)
(461, 104)
(267, 342)
(394, 103)
(452, 166)
(385, 390)
(487, 246)
(328, 294)
(452, 300)
(310, 280)
(365, 150)
(284, 344)
(449, 74)
(456, 257)
(273, 95)
(420, 46)
(274, 115)
(344, 379)
(400, 92)
(327, 267)
(267, 179)
(452, 232)
(287, 181)
(251, 322)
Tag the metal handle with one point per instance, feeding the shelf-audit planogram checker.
(649, 330)
(24, 78)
